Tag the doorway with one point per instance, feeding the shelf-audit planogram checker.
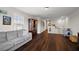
(32, 26)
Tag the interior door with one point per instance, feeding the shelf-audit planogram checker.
(33, 26)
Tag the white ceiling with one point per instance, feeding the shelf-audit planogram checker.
(51, 12)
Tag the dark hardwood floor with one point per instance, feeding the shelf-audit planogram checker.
(48, 42)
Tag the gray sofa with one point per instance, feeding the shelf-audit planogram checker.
(12, 40)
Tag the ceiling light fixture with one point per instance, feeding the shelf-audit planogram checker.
(46, 8)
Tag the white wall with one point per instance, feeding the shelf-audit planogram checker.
(16, 24)
(74, 22)
(41, 25)
(60, 24)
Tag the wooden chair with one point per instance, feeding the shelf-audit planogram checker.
(74, 39)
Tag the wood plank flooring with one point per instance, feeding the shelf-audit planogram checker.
(48, 42)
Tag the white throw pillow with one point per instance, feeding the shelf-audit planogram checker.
(3, 36)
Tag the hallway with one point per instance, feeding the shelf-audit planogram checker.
(48, 42)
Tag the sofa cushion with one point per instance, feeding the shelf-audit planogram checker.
(27, 36)
(3, 36)
(18, 40)
(11, 35)
(20, 33)
(6, 45)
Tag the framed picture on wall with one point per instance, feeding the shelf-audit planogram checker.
(6, 20)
